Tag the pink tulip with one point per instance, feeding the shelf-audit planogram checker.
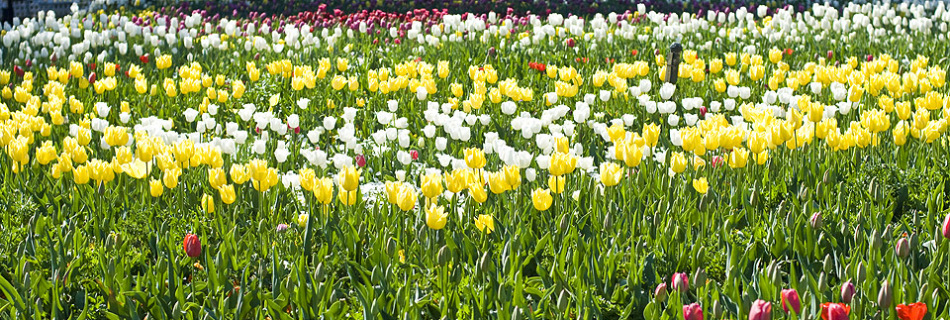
(946, 227)
(693, 312)
(761, 310)
(791, 299)
(414, 154)
(680, 282)
(902, 248)
(847, 291)
(660, 292)
(360, 160)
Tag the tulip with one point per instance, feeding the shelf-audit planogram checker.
(207, 203)
(475, 158)
(436, 217)
(847, 291)
(761, 310)
(360, 160)
(680, 282)
(914, 311)
(660, 292)
(692, 312)
(155, 188)
(946, 227)
(815, 221)
(485, 223)
(885, 296)
(791, 299)
(834, 311)
(349, 178)
(192, 245)
(542, 199)
(414, 154)
(570, 42)
(701, 185)
(610, 174)
(282, 227)
(902, 248)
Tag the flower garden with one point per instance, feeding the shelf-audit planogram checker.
(729, 162)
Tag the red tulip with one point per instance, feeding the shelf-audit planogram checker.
(847, 291)
(693, 312)
(702, 112)
(761, 310)
(192, 245)
(92, 77)
(791, 299)
(28, 63)
(144, 58)
(834, 311)
(360, 160)
(680, 282)
(914, 311)
(414, 154)
(946, 227)
(569, 42)
(634, 52)
(717, 161)
(19, 71)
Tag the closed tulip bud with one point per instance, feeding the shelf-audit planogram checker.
(192, 245)
(876, 241)
(791, 301)
(717, 309)
(885, 296)
(828, 264)
(823, 282)
(815, 221)
(680, 282)
(692, 312)
(847, 291)
(660, 292)
(699, 277)
(902, 248)
(761, 310)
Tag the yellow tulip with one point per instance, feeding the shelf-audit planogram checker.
(562, 163)
(323, 190)
(436, 217)
(651, 133)
(349, 178)
(738, 158)
(475, 158)
(431, 185)
(610, 174)
(485, 223)
(347, 197)
(477, 191)
(701, 185)
(678, 162)
(155, 188)
(497, 182)
(512, 176)
(556, 184)
(207, 203)
(406, 199)
(542, 199)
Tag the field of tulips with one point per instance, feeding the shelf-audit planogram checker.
(737, 162)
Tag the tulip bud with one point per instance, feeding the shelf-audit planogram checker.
(491, 52)
(680, 282)
(876, 241)
(828, 264)
(815, 221)
(822, 282)
(902, 248)
(699, 278)
(791, 301)
(861, 273)
(885, 296)
(847, 291)
(660, 292)
(692, 312)
(717, 309)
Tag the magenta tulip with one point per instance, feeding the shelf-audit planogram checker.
(946, 227)
(680, 282)
(693, 312)
(790, 299)
(847, 291)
